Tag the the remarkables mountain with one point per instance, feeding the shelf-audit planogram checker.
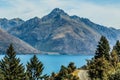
(60, 33)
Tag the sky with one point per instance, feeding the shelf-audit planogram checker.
(104, 12)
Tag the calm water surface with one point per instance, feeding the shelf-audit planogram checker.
(52, 63)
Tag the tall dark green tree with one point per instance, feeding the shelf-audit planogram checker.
(71, 67)
(103, 48)
(99, 69)
(100, 66)
(117, 47)
(34, 69)
(64, 74)
(10, 66)
(114, 59)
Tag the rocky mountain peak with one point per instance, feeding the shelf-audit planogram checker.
(35, 19)
(3, 19)
(58, 11)
(85, 20)
(75, 18)
(17, 19)
(55, 13)
(80, 19)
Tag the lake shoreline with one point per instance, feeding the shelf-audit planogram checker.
(53, 63)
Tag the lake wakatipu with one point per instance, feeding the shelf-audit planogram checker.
(52, 63)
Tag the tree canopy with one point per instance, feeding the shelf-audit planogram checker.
(10, 66)
(103, 48)
(34, 68)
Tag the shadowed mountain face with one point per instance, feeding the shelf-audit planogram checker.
(59, 32)
(20, 46)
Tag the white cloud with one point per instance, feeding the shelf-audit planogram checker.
(108, 15)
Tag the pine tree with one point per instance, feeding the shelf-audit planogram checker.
(100, 66)
(62, 73)
(65, 73)
(117, 47)
(114, 58)
(99, 69)
(71, 67)
(34, 68)
(10, 66)
(103, 48)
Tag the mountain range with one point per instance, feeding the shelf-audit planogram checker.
(60, 33)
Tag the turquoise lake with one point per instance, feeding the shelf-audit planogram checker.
(52, 63)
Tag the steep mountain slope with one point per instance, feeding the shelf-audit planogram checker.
(58, 32)
(111, 33)
(8, 24)
(20, 46)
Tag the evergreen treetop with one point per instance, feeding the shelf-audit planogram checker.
(117, 47)
(103, 48)
(10, 66)
(114, 58)
(34, 69)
